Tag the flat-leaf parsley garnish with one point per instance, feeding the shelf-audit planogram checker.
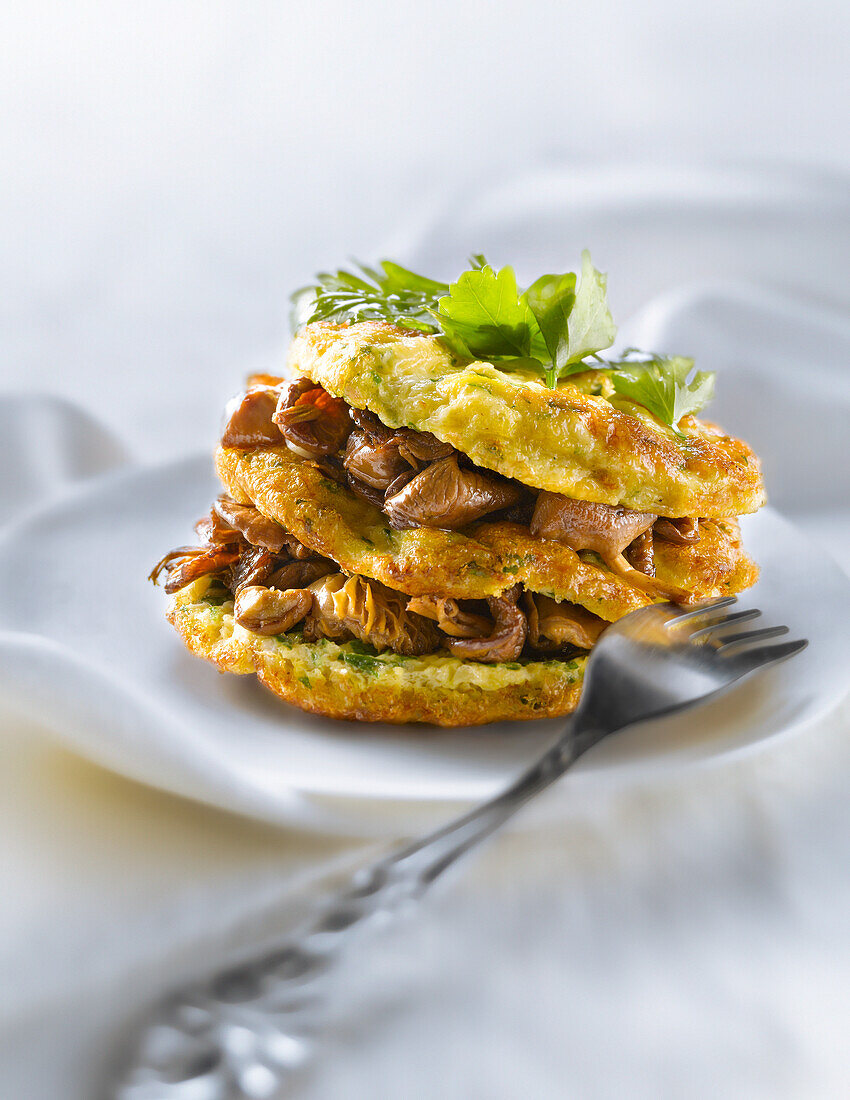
(485, 316)
(557, 326)
(390, 294)
(668, 387)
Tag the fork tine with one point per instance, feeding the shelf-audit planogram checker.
(747, 636)
(727, 620)
(751, 659)
(707, 608)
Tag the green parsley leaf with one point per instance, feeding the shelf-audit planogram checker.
(392, 293)
(551, 298)
(554, 322)
(661, 385)
(484, 315)
(401, 281)
(591, 326)
(574, 321)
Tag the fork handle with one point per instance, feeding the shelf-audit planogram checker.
(270, 1004)
(425, 860)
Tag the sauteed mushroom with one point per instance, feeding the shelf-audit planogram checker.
(450, 617)
(256, 528)
(602, 528)
(376, 464)
(377, 431)
(552, 625)
(249, 421)
(188, 563)
(641, 553)
(418, 447)
(683, 531)
(267, 611)
(444, 495)
(312, 422)
(255, 566)
(505, 640)
(344, 606)
(582, 525)
(212, 530)
(300, 574)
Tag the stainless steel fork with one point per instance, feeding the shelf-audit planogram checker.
(247, 1033)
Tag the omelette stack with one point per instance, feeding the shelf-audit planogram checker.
(408, 535)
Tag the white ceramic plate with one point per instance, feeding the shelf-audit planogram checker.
(115, 680)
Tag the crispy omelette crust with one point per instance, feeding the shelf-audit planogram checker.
(490, 558)
(586, 446)
(340, 681)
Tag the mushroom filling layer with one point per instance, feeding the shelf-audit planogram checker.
(418, 481)
(278, 585)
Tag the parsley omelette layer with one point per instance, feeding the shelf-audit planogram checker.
(342, 681)
(590, 447)
(483, 560)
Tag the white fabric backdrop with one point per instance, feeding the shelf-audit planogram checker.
(170, 172)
